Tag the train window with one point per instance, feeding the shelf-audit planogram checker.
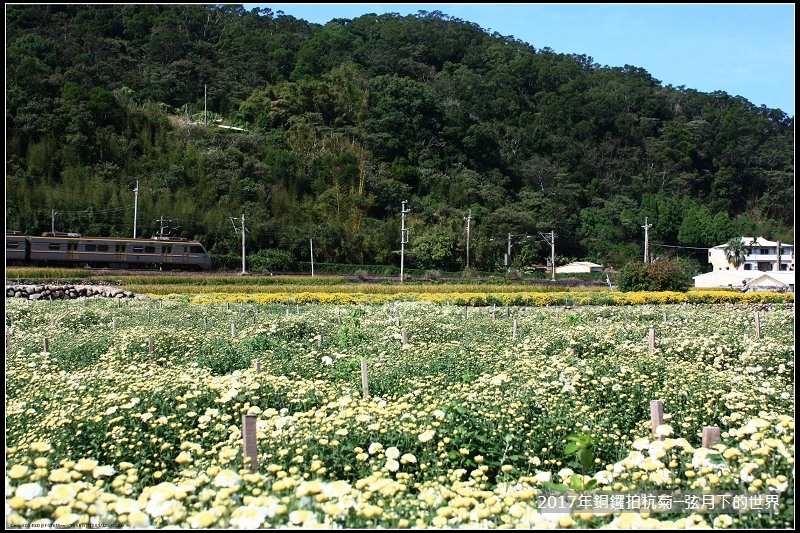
(196, 250)
(12, 244)
(102, 247)
(149, 249)
(120, 248)
(138, 249)
(72, 246)
(91, 247)
(54, 246)
(167, 249)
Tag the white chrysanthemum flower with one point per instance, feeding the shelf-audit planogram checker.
(392, 465)
(336, 489)
(105, 470)
(226, 478)
(426, 435)
(604, 477)
(723, 521)
(746, 473)
(29, 491)
(248, 517)
(408, 458)
(664, 430)
(327, 361)
(641, 443)
(392, 452)
(375, 447)
(565, 473)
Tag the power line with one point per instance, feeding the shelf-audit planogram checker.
(687, 247)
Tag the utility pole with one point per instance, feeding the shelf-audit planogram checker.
(161, 226)
(135, 207)
(468, 218)
(646, 247)
(311, 244)
(53, 223)
(403, 236)
(205, 103)
(243, 230)
(508, 254)
(550, 238)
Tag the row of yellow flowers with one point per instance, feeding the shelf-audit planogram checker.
(481, 299)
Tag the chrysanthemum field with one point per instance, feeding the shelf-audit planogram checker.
(133, 415)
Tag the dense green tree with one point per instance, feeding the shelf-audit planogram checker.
(340, 123)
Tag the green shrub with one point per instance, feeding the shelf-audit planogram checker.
(272, 260)
(662, 275)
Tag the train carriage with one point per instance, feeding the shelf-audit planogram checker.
(73, 249)
(16, 248)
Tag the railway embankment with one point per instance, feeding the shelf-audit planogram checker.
(66, 291)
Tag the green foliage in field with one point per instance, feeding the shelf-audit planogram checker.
(463, 407)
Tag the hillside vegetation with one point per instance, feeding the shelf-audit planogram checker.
(328, 129)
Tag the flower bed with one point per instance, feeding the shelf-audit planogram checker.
(133, 415)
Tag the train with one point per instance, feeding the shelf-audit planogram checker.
(76, 250)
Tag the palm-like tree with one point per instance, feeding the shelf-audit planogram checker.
(735, 252)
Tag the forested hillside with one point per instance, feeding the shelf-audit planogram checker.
(331, 128)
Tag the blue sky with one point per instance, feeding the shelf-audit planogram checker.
(744, 50)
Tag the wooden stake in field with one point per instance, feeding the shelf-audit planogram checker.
(466, 312)
(113, 324)
(339, 316)
(403, 337)
(233, 329)
(656, 415)
(205, 322)
(652, 340)
(711, 435)
(250, 442)
(758, 325)
(364, 382)
(150, 345)
(46, 345)
(258, 367)
(494, 310)
(514, 330)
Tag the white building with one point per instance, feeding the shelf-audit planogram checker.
(768, 265)
(761, 255)
(579, 267)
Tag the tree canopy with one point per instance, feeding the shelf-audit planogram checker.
(331, 127)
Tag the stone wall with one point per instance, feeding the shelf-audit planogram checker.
(65, 292)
